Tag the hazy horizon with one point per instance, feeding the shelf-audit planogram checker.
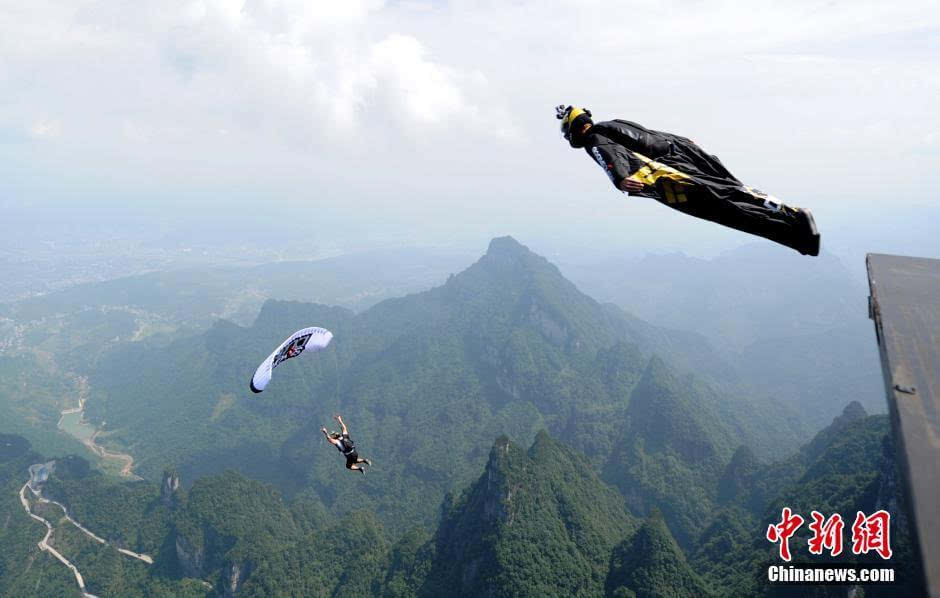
(382, 124)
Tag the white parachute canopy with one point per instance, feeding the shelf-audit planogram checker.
(310, 339)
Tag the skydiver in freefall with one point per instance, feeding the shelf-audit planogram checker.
(676, 172)
(346, 446)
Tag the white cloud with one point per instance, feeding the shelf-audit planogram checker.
(45, 129)
(458, 95)
(424, 91)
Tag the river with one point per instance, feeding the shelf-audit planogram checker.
(72, 422)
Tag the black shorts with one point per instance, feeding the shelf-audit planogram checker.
(352, 458)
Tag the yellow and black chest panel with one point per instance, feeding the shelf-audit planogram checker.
(672, 182)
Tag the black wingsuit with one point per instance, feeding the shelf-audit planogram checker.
(681, 175)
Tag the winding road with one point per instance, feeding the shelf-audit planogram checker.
(44, 543)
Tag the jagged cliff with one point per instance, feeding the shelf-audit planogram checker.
(536, 523)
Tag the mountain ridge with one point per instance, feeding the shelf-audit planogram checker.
(425, 380)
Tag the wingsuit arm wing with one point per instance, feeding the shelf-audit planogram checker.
(613, 162)
(636, 137)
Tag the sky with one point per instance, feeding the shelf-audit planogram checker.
(428, 121)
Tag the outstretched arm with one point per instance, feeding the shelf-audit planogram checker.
(328, 438)
(339, 418)
(616, 166)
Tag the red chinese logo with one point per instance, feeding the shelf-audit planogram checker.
(869, 534)
(782, 532)
(872, 533)
(827, 534)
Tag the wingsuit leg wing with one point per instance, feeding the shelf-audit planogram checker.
(741, 208)
(680, 174)
(694, 182)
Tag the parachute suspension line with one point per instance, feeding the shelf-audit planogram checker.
(336, 375)
(335, 397)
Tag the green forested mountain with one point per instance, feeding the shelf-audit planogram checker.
(425, 381)
(849, 466)
(650, 564)
(22, 566)
(27, 571)
(130, 515)
(671, 452)
(32, 394)
(622, 465)
(536, 522)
